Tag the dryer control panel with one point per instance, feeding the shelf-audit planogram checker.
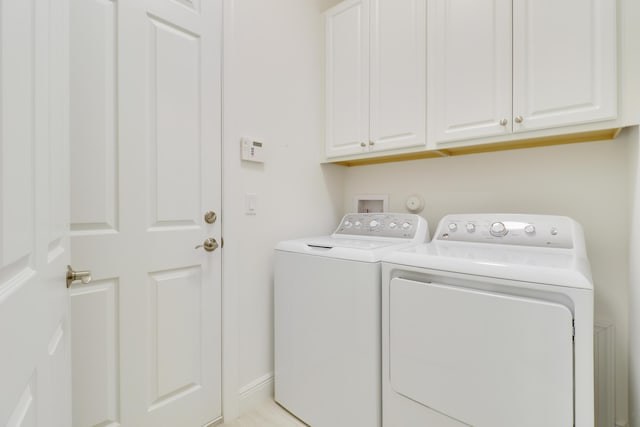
(511, 229)
(404, 226)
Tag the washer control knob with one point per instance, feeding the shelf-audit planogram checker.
(554, 231)
(357, 224)
(393, 225)
(374, 223)
(347, 224)
(453, 226)
(406, 226)
(471, 227)
(530, 229)
(498, 229)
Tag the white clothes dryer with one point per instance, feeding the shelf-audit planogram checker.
(327, 318)
(489, 325)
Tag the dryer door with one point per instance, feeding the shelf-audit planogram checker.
(486, 359)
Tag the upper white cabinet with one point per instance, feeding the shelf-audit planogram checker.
(375, 76)
(564, 62)
(503, 66)
(347, 78)
(469, 68)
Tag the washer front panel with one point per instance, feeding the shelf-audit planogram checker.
(483, 358)
(327, 339)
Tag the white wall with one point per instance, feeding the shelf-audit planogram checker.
(272, 92)
(634, 284)
(587, 181)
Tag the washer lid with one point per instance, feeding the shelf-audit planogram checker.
(364, 237)
(560, 267)
(365, 250)
(336, 242)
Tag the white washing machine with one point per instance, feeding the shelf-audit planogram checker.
(489, 325)
(327, 318)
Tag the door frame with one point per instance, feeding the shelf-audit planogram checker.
(230, 341)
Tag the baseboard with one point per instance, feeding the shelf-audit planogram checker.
(215, 422)
(256, 393)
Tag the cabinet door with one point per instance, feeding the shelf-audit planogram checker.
(347, 78)
(398, 74)
(564, 62)
(469, 74)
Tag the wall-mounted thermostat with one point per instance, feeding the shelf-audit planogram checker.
(252, 150)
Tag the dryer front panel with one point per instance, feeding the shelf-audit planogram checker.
(485, 359)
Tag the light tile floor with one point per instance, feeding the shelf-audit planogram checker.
(269, 414)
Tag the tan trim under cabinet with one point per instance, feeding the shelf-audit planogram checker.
(591, 136)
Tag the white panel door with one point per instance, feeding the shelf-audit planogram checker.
(347, 78)
(485, 359)
(398, 74)
(35, 388)
(146, 111)
(564, 62)
(469, 74)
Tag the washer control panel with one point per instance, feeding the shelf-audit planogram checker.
(508, 229)
(406, 226)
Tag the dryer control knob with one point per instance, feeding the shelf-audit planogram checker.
(453, 226)
(406, 226)
(347, 224)
(392, 225)
(498, 229)
(530, 229)
(471, 227)
(357, 224)
(374, 223)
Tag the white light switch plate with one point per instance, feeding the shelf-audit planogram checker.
(250, 204)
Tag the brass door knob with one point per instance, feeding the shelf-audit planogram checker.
(209, 245)
(210, 217)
